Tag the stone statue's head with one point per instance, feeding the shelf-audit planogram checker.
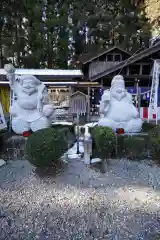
(29, 84)
(118, 87)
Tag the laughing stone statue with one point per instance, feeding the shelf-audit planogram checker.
(117, 109)
(32, 109)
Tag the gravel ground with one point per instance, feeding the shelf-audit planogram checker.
(80, 203)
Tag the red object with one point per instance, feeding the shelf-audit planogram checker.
(154, 116)
(26, 134)
(145, 112)
(120, 131)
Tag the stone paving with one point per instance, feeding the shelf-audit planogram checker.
(78, 202)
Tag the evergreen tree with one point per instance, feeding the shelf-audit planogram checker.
(63, 8)
(152, 9)
(119, 23)
(34, 26)
(49, 33)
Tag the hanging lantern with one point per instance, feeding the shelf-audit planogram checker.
(148, 96)
(144, 97)
(154, 116)
(101, 91)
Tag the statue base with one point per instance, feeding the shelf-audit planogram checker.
(132, 126)
(19, 126)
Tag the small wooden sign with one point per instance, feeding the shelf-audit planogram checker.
(78, 103)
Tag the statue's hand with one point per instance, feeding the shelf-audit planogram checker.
(48, 110)
(39, 109)
(9, 68)
(13, 111)
(135, 113)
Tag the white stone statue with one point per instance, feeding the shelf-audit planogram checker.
(117, 110)
(32, 109)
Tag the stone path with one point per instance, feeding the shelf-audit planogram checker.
(80, 203)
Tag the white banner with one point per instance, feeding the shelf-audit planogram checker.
(153, 104)
(3, 123)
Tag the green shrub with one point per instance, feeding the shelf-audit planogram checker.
(46, 146)
(120, 146)
(82, 131)
(154, 132)
(154, 137)
(147, 126)
(135, 147)
(104, 140)
(3, 133)
(68, 131)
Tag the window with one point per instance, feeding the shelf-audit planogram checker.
(110, 58)
(124, 71)
(134, 69)
(102, 58)
(146, 69)
(117, 58)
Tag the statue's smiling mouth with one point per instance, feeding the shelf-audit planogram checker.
(29, 90)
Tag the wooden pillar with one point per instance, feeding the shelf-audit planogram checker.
(141, 69)
(139, 99)
(12, 96)
(88, 104)
(138, 94)
(70, 91)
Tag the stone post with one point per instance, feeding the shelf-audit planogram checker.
(87, 146)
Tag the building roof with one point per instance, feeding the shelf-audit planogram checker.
(46, 74)
(130, 60)
(88, 57)
(78, 93)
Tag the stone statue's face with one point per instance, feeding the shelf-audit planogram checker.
(29, 86)
(118, 92)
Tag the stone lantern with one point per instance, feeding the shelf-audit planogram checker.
(87, 146)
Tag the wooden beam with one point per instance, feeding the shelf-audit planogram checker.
(88, 104)
(141, 69)
(130, 76)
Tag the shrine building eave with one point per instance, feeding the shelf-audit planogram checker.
(49, 74)
(133, 59)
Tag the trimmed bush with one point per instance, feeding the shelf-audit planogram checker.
(154, 136)
(104, 142)
(120, 146)
(68, 131)
(82, 131)
(154, 132)
(135, 147)
(3, 133)
(147, 126)
(46, 146)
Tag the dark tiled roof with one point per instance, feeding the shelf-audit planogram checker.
(130, 60)
(87, 57)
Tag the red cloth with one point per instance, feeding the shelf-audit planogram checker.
(145, 112)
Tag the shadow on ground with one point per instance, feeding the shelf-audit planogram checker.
(52, 171)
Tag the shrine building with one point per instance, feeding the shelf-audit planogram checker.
(136, 70)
